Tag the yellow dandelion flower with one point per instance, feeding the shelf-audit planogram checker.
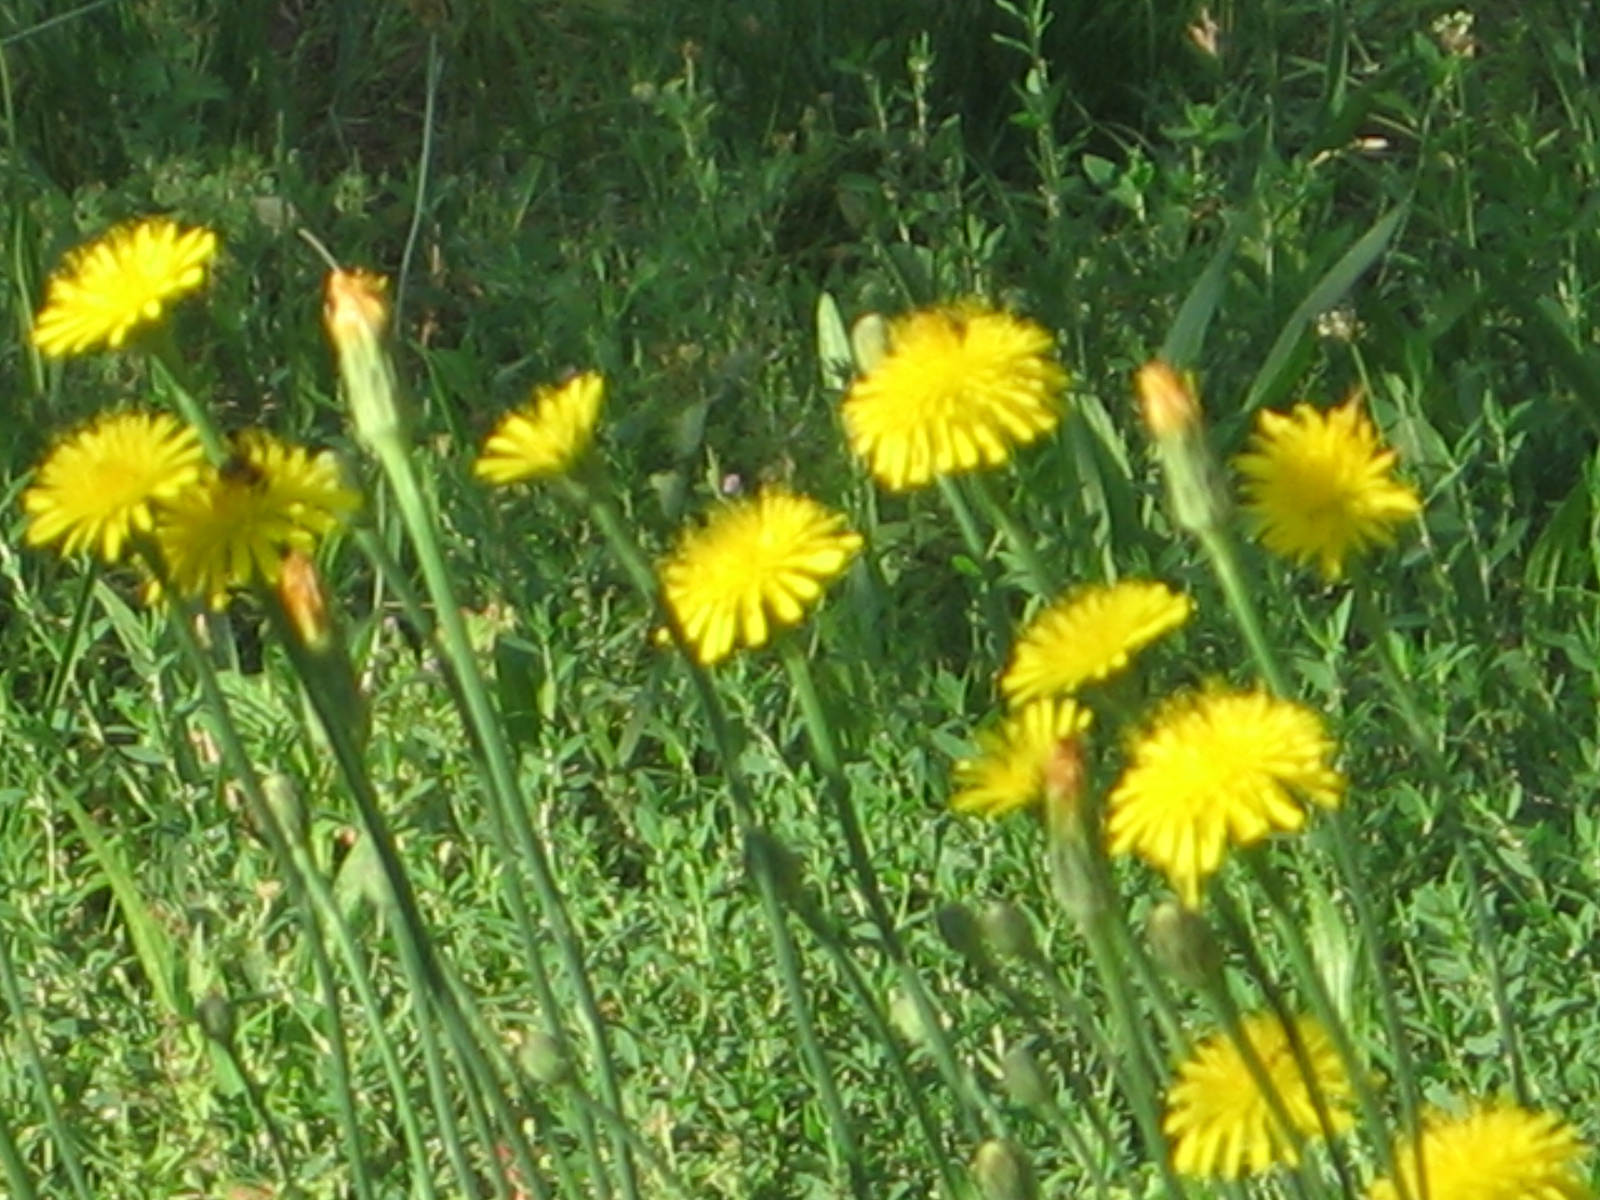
(1219, 769)
(755, 565)
(107, 288)
(1221, 1123)
(99, 486)
(1014, 763)
(1496, 1152)
(546, 436)
(960, 387)
(1090, 635)
(235, 524)
(1320, 486)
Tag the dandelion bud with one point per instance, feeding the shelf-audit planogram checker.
(1024, 1079)
(305, 602)
(1171, 413)
(1181, 942)
(1008, 931)
(217, 1022)
(907, 1018)
(961, 932)
(282, 795)
(357, 314)
(543, 1058)
(1003, 1171)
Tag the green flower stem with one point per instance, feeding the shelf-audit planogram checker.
(74, 639)
(323, 674)
(306, 886)
(33, 1060)
(16, 1170)
(509, 804)
(1041, 579)
(832, 941)
(977, 548)
(166, 366)
(1224, 558)
(636, 565)
(1304, 966)
(1377, 631)
(1225, 1009)
(836, 788)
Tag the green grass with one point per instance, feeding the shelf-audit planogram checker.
(663, 192)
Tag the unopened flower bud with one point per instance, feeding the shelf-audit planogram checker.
(961, 932)
(542, 1057)
(1024, 1079)
(1181, 942)
(217, 1021)
(283, 799)
(906, 1017)
(1003, 1171)
(305, 602)
(357, 315)
(1008, 931)
(1171, 413)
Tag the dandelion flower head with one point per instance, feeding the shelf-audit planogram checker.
(960, 387)
(756, 565)
(1012, 768)
(100, 485)
(1496, 1152)
(1219, 1121)
(1216, 769)
(1320, 486)
(233, 527)
(546, 436)
(1090, 635)
(106, 289)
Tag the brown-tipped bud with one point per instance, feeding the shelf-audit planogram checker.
(357, 316)
(961, 932)
(282, 795)
(1065, 774)
(305, 602)
(1166, 400)
(217, 1021)
(542, 1057)
(1003, 1171)
(1024, 1078)
(1171, 412)
(1181, 942)
(1008, 931)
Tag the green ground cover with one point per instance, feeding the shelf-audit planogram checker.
(504, 894)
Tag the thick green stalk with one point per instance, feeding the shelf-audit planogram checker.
(836, 787)
(1041, 579)
(506, 794)
(302, 878)
(768, 887)
(16, 1170)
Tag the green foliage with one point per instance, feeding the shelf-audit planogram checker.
(1342, 200)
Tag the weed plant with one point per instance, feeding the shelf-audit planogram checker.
(795, 600)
